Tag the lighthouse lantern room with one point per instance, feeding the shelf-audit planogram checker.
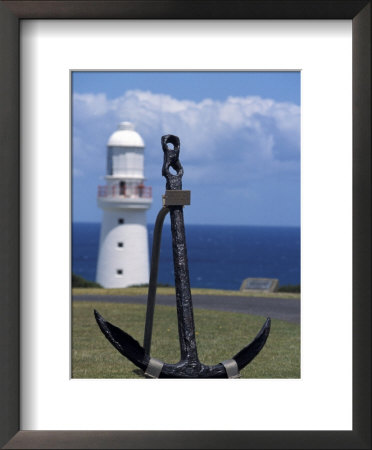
(123, 258)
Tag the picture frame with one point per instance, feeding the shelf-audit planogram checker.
(11, 12)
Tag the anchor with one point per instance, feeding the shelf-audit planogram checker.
(189, 365)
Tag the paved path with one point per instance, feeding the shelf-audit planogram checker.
(277, 308)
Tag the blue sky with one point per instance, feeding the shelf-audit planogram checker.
(239, 132)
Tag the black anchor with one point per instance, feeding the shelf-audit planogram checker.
(189, 365)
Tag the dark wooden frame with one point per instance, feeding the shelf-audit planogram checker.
(11, 11)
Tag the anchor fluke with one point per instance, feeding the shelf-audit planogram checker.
(248, 353)
(123, 342)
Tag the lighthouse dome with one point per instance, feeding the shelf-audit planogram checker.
(125, 136)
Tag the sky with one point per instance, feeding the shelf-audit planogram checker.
(239, 133)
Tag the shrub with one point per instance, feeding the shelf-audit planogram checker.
(290, 288)
(78, 281)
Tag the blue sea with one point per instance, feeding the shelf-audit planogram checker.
(219, 256)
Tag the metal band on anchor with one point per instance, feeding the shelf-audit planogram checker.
(154, 367)
(231, 367)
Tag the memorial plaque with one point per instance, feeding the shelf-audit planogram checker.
(260, 284)
(176, 198)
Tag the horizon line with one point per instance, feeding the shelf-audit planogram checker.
(208, 224)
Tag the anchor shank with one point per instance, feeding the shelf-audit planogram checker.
(186, 326)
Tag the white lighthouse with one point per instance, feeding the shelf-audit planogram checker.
(123, 258)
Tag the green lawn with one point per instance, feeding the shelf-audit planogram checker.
(220, 335)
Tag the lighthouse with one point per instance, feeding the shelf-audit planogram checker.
(123, 258)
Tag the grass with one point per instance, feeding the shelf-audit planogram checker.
(171, 291)
(219, 336)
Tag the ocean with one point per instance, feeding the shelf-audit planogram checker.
(220, 256)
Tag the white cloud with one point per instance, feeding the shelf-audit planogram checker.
(77, 172)
(242, 136)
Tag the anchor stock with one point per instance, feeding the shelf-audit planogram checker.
(189, 365)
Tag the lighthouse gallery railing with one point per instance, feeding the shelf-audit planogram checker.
(130, 191)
